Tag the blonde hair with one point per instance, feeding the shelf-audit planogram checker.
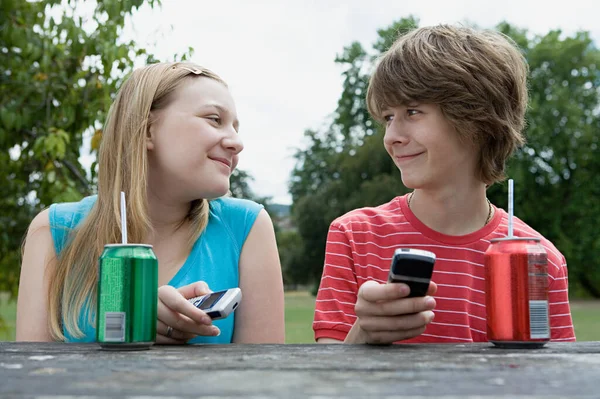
(123, 166)
(478, 78)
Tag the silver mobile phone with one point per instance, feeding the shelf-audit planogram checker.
(219, 304)
(414, 268)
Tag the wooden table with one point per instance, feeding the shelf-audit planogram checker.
(35, 370)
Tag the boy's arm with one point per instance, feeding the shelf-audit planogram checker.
(561, 324)
(334, 306)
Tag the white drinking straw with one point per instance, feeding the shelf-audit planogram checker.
(510, 207)
(123, 219)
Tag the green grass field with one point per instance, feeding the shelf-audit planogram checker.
(299, 308)
(8, 313)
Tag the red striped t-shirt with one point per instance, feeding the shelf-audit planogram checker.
(360, 246)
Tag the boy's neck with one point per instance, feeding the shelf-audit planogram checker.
(452, 211)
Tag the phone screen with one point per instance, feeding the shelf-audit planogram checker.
(413, 268)
(207, 301)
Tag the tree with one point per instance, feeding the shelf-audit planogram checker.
(61, 71)
(345, 166)
(290, 253)
(557, 171)
(240, 185)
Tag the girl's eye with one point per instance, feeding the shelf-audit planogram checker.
(215, 119)
(412, 112)
(388, 118)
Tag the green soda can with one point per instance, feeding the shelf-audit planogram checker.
(127, 297)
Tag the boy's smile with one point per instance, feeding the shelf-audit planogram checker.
(403, 159)
(426, 147)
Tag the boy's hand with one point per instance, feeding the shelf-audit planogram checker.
(385, 315)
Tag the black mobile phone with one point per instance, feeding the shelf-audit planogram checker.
(414, 268)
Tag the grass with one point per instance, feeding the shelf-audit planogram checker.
(299, 311)
(8, 313)
(586, 318)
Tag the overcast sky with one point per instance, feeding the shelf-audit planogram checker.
(278, 56)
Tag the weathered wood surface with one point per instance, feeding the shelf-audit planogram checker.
(36, 370)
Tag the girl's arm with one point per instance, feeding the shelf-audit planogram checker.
(260, 316)
(32, 302)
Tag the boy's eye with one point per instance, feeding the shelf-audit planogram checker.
(388, 118)
(412, 112)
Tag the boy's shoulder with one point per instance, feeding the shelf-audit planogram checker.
(389, 212)
(522, 229)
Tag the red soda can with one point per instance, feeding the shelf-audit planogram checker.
(516, 293)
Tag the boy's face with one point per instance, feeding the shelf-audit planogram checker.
(426, 148)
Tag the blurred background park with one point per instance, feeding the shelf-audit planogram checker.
(298, 72)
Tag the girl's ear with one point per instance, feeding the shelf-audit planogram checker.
(150, 133)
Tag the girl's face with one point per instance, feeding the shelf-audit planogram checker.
(193, 143)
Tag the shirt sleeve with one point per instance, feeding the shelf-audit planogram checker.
(561, 323)
(334, 307)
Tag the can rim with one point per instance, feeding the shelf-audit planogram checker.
(127, 245)
(537, 239)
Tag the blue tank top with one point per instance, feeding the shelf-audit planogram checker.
(214, 257)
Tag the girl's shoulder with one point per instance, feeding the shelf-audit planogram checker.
(69, 214)
(234, 210)
(64, 217)
(234, 215)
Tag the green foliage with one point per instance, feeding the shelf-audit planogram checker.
(289, 244)
(240, 185)
(344, 166)
(60, 70)
(557, 182)
(556, 175)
